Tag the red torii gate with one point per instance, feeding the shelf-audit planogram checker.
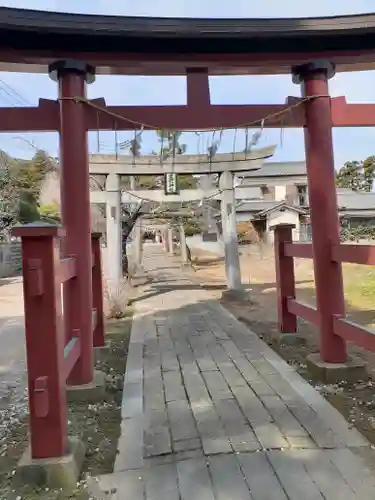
(72, 115)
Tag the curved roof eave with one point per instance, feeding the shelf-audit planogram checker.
(31, 39)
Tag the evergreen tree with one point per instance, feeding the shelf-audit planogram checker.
(50, 212)
(357, 175)
(30, 174)
(20, 183)
(368, 173)
(28, 208)
(9, 198)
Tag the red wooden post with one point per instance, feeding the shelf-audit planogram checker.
(323, 204)
(44, 339)
(198, 88)
(97, 290)
(285, 280)
(75, 203)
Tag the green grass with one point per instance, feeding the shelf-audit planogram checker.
(360, 285)
(359, 290)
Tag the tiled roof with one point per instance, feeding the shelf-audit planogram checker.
(348, 202)
(352, 200)
(263, 207)
(278, 169)
(256, 206)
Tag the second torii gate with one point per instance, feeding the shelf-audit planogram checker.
(113, 196)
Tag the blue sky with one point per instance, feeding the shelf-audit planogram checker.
(357, 87)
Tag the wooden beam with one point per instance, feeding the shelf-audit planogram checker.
(352, 115)
(192, 118)
(46, 117)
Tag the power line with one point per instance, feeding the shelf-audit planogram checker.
(15, 93)
(12, 95)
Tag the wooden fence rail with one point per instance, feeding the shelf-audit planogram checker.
(52, 350)
(289, 308)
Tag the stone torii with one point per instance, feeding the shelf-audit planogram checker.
(226, 165)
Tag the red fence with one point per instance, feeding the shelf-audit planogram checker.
(289, 308)
(52, 353)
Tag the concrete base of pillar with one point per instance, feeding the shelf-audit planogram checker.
(90, 393)
(289, 339)
(62, 472)
(331, 373)
(235, 295)
(101, 352)
(139, 270)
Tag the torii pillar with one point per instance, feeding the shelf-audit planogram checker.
(228, 219)
(183, 247)
(114, 230)
(170, 240)
(165, 238)
(138, 243)
(325, 224)
(72, 77)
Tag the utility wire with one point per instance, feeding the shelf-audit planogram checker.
(15, 93)
(11, 95)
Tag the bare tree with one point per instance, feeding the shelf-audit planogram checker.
(128, 221)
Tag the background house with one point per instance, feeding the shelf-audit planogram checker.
(279, 194)
(276, 193)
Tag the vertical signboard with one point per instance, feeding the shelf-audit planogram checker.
(170, 183)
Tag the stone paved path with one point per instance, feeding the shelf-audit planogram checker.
(212, 413)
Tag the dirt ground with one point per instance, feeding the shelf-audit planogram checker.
(97, 425)
(12, 341)
(355, 400)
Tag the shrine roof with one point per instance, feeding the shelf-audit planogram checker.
(278, 169)
(31, 39)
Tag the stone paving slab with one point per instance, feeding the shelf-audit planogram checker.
(211, 412)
